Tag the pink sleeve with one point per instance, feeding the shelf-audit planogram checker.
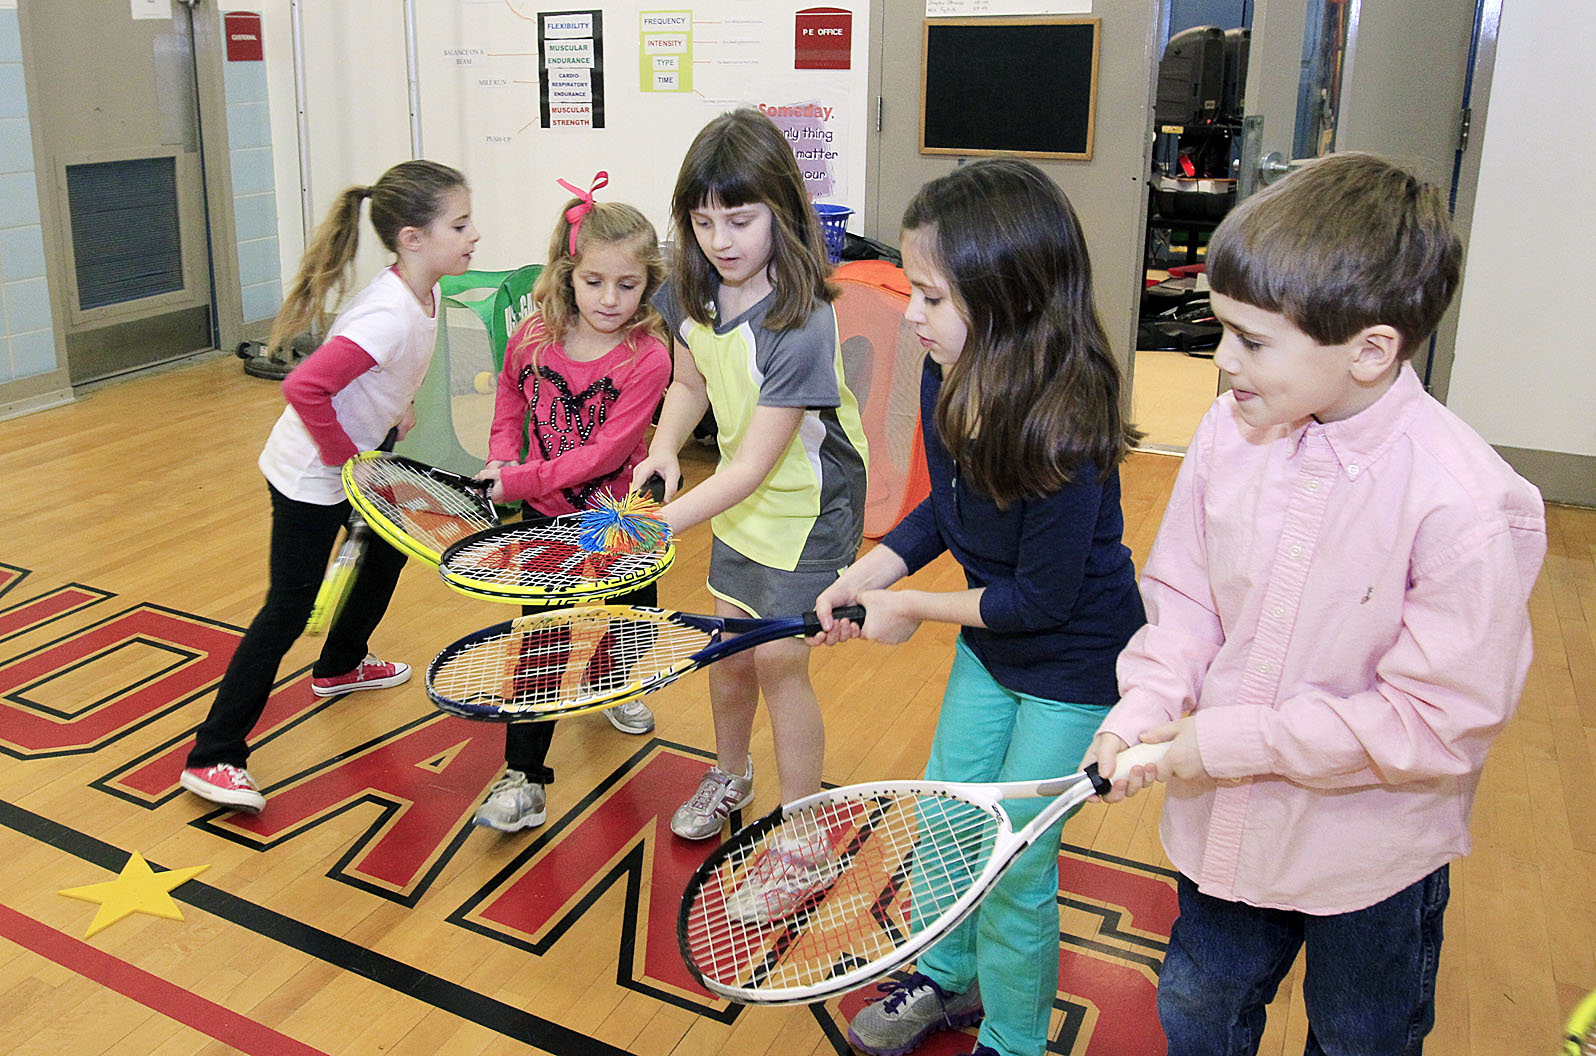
(311, 386)
(1161, 669)
(611, 446)
(509, 403)
(1441, 692)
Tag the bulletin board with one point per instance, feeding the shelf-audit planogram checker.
(629, 86)
(1025, 86)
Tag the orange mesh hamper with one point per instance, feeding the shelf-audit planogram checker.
(881, 361)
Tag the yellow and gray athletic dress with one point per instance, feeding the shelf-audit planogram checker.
(808, 513)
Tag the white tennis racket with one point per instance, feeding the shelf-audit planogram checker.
(837, 889)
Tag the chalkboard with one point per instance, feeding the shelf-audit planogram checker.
(1024, 86)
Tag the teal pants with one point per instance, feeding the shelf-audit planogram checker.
(1010, 943)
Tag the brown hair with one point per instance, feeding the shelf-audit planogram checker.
(1035, 392)
(606, 224)
(742, 158)
(410, 194)
(1347, 242)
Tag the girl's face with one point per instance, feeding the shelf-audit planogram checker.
(445, 245)
(608, 281)
(737, 240)
(938, 322)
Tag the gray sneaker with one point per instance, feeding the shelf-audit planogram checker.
(631, 717)
(513, 804)
(719, 793)
(914, 1007)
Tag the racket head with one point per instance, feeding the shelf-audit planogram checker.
(339, 580)
(418, 509)
(568, 661)
(850, 884)
(542, 561)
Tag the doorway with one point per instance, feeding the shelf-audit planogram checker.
(124, 183)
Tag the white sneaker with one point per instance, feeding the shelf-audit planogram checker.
(789, 875)
(719, 793)
(632, 717)
(513, 804)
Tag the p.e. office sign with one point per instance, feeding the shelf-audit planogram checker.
(824, 39)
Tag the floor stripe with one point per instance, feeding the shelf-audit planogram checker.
(151, 991)
(332, 949)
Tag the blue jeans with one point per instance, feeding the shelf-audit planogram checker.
(1010, 944)
(1369, 987)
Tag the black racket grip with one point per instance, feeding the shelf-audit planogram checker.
(1101, 785)
(654, 488)
(854, 613)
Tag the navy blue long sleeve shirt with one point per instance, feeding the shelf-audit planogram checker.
(1061, 598)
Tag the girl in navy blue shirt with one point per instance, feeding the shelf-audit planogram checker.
(1020, 401)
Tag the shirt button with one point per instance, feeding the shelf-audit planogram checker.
(1278, 612)
(1295, 551)
(1263, 668)
(1313, 485)
(1352, 470)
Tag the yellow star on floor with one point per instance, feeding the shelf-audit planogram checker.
(138, 890)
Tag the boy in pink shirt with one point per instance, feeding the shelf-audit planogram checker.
(1337, 625)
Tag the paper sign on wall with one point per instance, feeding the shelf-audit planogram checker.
(571, 71)
(152, 9)
(823, 39)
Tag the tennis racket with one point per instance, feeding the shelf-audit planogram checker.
(837, 889)
(570, 661)
(340, 578)
(1580, 1038)
(543, 561)
(419, 509)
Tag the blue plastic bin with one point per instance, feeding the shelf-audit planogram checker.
(834, 225)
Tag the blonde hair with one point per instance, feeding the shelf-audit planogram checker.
(411, 194)
(742, 158)
(605, 224)
(1345, 243)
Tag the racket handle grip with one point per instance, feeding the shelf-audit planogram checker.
(654, 488)
(854, 613)
(1135, 755)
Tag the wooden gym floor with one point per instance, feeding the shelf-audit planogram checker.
(361, 913)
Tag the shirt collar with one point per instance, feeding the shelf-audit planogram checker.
(1358, 442)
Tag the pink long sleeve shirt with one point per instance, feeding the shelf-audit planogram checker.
(1344, 607)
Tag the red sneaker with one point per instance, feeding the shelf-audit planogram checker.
(371, 674)
(229, 785)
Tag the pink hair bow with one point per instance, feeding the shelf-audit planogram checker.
(574, 215)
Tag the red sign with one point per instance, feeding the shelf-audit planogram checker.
(243, 36)
(824, 39)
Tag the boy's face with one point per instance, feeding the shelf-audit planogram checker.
(1281, 376)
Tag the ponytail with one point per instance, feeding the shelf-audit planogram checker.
(408, 195)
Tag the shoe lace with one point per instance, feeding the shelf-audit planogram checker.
(708, 790)
(508, 781)
(236, 774)
(900, 990)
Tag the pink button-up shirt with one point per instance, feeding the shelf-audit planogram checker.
(1344, 606)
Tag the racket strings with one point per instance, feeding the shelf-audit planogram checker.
(419, 505)
(548, 556)
(563, 661)
(897, 864)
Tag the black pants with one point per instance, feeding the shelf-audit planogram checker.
(303, 534)
(526, 744)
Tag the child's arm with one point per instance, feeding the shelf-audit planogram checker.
(769, 432)
(686, 400)
(310, 387)
(1437, 696)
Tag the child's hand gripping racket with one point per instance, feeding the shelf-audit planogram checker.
(837, 889)
(340, 578)
(569, 661)
(419, 509)
(573, 559)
